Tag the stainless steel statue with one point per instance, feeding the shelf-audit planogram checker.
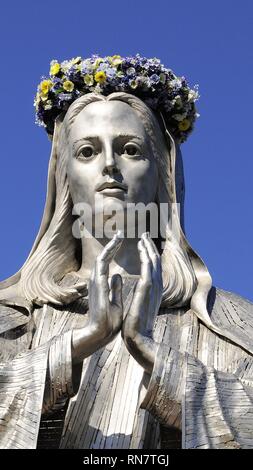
(121, 342)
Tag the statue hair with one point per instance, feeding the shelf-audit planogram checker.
(57, 252)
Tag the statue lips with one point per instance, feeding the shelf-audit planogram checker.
(112, 188)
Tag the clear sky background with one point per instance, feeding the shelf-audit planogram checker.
(208, 42)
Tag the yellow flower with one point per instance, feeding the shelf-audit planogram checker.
(116, 60)
(178, 101)
(120, 74)
(68, 86)
(76, 60)
(88, 80)
(55, 68)
(44, 98)
(162, 78)
(100, 77)
(133, 84)
(184, 125)
(45, 86)
(98, 61)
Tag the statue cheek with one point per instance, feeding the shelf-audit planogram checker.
(146, 180)
(78, 186)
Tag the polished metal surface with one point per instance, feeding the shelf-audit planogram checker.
(125, 337)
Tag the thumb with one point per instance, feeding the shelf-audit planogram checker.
(116, 291)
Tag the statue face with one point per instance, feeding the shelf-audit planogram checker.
(110, 157)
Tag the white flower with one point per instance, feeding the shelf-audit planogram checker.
(130, 71)
(98, 88)
(146, 81)
(48, 106)
(43, 98)
(192, 96)
(178, 101)
(65, 66)
(176, 83)
(179, 117)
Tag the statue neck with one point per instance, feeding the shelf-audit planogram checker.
(126, 261)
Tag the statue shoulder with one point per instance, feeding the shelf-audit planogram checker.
(229, 308)
(226, 297)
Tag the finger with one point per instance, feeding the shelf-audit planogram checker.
(116, 291)
(81, 286)
(149, 245)
(78, 290)
(108, 254)
(156, 259)
(111, 245)
(145, 262)
(111, 249)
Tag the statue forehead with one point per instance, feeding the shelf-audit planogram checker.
(108, 116)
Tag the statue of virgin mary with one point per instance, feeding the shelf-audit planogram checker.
(120, 342)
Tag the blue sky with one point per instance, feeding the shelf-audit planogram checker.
(208, 42)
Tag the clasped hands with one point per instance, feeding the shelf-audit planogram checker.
(106, 307)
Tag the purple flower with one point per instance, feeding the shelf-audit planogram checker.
(147, 78)
(102, 67)
(131, 72)
(154, 79)
(94, 57)
(141, 61)
(86, 67)
(109, 71)
(62, 97)
(56, 80)
(40, 115)
(72, 74)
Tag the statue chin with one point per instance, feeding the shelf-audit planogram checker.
(114, 337)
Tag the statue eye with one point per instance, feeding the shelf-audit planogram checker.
(131, 149)
(86, 152)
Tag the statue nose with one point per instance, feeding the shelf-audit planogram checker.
(110, 166)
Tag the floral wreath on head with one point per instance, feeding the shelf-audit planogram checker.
(147, 79)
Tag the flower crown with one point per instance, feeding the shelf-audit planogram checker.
(145, 78)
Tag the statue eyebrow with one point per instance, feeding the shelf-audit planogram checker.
(88, 137)
(129, 136)
(124, 136)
